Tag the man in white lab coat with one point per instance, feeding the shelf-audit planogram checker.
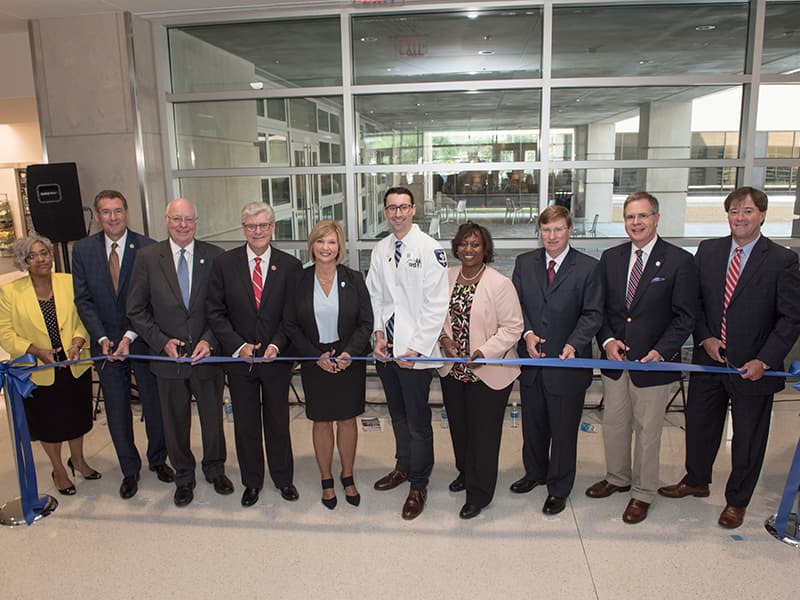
(407, 282)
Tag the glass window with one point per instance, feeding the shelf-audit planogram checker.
(324, 153)
(302, 114)
(650, 39)
(781, 53)
(448, 126)
(323, 120)
(260, 108)
(334, 123)
(237, 56)
(276, 109)
(447, 46)
(278, 149)
(280, 191)
(778, 122)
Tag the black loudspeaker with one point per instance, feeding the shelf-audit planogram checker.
(54, 197)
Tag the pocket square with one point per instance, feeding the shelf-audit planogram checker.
(657, 279)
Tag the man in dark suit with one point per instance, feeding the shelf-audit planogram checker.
(247, 290)
(101, 268)
(650, 295)
(748, 318)
(561, 293)
(167, 307)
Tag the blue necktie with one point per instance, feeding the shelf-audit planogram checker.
(183, 277)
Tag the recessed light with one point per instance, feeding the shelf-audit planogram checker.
(487, 37)
(705, 28)
(388, 68)
(472, 15)
(486, 52)
(644, 61)
(257, 85)
(369, 39)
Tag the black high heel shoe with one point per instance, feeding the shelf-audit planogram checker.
(67, 491)
(329, 503)
(355, 500)
(91, 476)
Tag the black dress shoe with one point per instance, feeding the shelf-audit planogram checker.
(554, 505)
(250, 496)
(469, 511)
(184, 494)
(458, 485)
(289, 493)
(129, 487)
(524, 485)
(222, 485)
(164, 473)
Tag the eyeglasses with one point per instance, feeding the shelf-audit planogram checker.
(553, 230)
(397, 208)
(251, 227)
(40, 254)
(639, 217)
(178, 220)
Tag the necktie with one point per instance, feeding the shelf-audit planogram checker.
(258, 282)
(633, 282)
(113, 266)
(183, 277)
(731, 280)
(398, 254)
(551, 272)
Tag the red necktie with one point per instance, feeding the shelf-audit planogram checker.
(731, 279)
(258, 282)
(551, 272)
(633, 282)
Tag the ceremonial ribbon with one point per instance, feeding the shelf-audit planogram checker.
(19, 385)
(789, 495)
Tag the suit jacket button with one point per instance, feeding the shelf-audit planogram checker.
(628, 320)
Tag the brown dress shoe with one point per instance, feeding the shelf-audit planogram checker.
(636, 511)
(731, 517)
(390, 481)
(681, 490)
(603, 489)
(414, 504)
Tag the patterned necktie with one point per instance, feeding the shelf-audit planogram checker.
(633, 282)
(113, 266)
(551, 272)
(258, 282)
(731, 280)
(183, 277)
(398, 253)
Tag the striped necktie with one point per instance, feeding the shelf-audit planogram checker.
(398, 253)
(731, 280)
(258, 282)
(635, 278)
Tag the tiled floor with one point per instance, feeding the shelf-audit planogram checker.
(96, 545)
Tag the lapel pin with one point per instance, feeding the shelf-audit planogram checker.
(342, 284)
(131, 246)
(658, 263)
(273, 268)
(202, 261)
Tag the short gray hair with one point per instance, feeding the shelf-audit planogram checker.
(23, 246)
(256, 208)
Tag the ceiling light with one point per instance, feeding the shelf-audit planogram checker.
(257, 85)
(486, 52)
(487, 37)
(368, 39)
(705, 28)
(472, 15)
(388, 68)
(644, 61)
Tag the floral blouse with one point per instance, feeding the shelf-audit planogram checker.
(460, 307)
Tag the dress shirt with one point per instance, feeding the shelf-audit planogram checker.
(189, 254)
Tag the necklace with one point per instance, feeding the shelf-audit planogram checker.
(465, 278)
(325, 281)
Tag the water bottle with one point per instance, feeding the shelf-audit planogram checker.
(227, 407)
(514, 414)
(443, 416)
(588, 427)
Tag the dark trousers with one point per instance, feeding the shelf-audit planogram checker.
(115, 381)
(407, 398)
(260, 399)
(706, 406)
(176, 410)
(550, 425)
(475, 413)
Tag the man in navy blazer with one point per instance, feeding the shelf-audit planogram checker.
(96, 262)
(650, 296)
(749, 322)
(167, 306)
(561, 293)
(247, 289)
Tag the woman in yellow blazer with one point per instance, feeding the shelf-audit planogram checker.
(37, 315)
(484, 321)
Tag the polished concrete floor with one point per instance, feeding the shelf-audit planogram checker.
(96, 545)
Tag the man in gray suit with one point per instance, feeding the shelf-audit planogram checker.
(167, 307)
(561, 293)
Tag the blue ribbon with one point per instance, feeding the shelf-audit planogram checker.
(789, 495)
(17, 375)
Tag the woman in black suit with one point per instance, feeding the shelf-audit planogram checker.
(330, 316)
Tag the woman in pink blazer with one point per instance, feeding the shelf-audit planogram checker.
(484, 321)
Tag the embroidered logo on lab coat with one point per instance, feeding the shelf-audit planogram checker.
(441, 257)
